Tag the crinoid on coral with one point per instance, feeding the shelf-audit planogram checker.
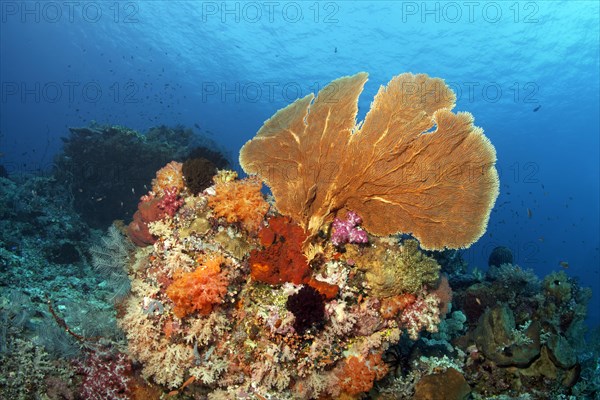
(198, 173)
(412, 166)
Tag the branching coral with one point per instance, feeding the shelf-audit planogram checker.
(240, 201)
(396, 173)
(199, 290)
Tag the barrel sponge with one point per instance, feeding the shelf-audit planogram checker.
(412, 166)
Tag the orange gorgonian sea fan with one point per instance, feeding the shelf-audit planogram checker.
(412, 166)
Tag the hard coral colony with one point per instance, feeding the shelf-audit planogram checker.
(308, 310)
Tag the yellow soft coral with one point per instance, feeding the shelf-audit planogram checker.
(169, 176)
(240, 201)
(413, 166)
(391, 269)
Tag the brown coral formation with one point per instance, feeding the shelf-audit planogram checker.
(447, 385)
(413, 166)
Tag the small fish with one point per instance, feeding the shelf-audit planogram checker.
(133, 190)
(564, 264)
(100, 199)
(197, 126)
(537, 108)
(529, 213)
(541, 239)
(335, 50)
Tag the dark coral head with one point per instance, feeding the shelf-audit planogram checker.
(198, 174)
(308, 307)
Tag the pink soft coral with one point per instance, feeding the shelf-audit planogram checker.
(347, 230)
(105, 376)
(424, 313)
(171, 201)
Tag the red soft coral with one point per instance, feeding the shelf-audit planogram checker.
(391, 306)
(282, 259)
(199, 290)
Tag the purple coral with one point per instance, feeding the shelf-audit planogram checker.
(105, 376)
(347, 231)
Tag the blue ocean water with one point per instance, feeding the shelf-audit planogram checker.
(526, 70)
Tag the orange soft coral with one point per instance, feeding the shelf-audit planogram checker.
(240, 201)
(199, 290)
(168, 177)
(391, 306)
(358, 374)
